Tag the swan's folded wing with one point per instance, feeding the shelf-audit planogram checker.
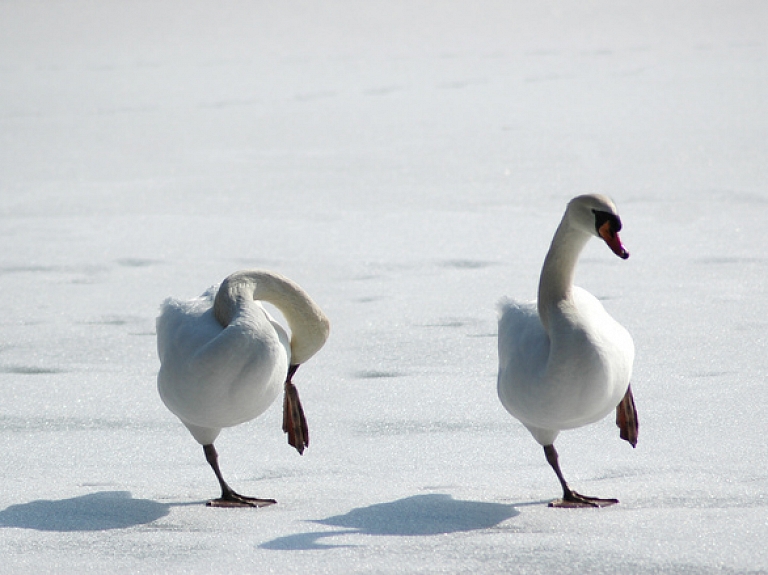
(187, 322)
(523, 343)
(217, 377)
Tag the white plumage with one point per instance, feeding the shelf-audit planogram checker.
(564, 362)
(224, 359)
(213, 376)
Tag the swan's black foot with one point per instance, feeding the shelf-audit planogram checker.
(233, 499)
(294, 422)
(573, 500)
(570, 497)
(229, 498)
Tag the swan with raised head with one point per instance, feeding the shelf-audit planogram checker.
(563, 361)
(224, 359)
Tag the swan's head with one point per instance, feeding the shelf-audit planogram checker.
(309, 325)
(309, 334)
(597, 215)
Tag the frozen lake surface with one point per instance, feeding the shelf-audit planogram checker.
(406, 163)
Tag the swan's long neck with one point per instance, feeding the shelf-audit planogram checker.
(556, 280)
(309, 325)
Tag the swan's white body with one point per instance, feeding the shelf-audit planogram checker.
(563, 361)
(213, 376)
(572, 376)
(224, 359)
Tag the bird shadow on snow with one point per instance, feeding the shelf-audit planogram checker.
(420, 515)
(93, 512)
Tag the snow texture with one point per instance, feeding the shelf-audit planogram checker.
(406, 162)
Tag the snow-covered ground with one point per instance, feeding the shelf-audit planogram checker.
(407, 163)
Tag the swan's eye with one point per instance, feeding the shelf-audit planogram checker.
(602, 217)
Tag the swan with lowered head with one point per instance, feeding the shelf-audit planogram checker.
(564, 362)
(224, 359)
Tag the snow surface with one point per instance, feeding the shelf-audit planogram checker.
(407, 163)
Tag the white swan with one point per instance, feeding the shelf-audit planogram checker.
(565, 362)
(223, 360)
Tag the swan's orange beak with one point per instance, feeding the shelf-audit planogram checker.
(612, 239)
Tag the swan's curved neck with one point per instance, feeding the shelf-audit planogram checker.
(309, 325)
(556, 280)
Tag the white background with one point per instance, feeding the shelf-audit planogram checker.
(407, 163)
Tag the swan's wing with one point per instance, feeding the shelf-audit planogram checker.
(523, 356)
(183, 328)
(189, 321)
(216, 377)
(523, 343)
(247, 350)
(186, 323)
(195, 350)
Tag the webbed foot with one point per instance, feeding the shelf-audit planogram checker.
(233, 499)
(294, 422)
(575, 500)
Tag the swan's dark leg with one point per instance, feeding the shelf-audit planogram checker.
(570, 497)
(228, 496)
(626, 418)
(294, 422)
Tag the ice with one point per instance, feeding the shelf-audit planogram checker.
(407, 164)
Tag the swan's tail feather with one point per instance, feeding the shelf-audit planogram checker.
(294, 422)
(626, 418)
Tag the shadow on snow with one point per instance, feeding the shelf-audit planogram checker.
(420, 515)
(93, 512)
